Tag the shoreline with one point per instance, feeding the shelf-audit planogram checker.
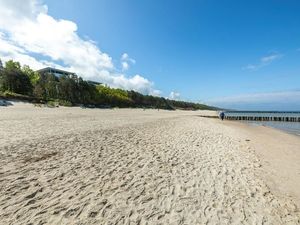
(279, 154)
(267, 124)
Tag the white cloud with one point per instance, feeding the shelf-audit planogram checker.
(136, 82)
(126, 61)
(14, 12)
(263, 97)
(31, 36)
(156, 93)
(174, 95)
(270, 58)
(124, 56)
(264, 61)
(125, 66)
(283, 100)
(10, 51)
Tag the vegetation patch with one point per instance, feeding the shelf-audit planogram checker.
(23, 83)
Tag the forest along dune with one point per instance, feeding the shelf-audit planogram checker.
(125, 166)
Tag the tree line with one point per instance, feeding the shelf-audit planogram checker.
(71, 90)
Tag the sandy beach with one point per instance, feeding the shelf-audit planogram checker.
(130, 166)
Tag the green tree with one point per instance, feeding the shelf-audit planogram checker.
(33, 75)
(67, 88)
(73, 89)
(14, 79)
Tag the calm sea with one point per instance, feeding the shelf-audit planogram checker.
(290, 127)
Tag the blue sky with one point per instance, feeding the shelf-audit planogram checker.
(227, 53)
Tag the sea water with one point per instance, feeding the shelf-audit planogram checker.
(290, 127)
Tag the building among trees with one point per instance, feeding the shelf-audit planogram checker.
(56, 72)
(66, 88)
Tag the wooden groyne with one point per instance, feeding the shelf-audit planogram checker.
(282, 117)
(205, 116)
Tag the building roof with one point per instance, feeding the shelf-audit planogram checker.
(54, 70)
(93, 82)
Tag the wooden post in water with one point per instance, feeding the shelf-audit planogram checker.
(282, 117)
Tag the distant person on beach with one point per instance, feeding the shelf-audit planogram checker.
(222, 115)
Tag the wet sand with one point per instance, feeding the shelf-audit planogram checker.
(129, 166)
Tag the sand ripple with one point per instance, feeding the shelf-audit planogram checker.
(181, 170)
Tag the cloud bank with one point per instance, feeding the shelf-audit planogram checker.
(284, 100)
(31, 36)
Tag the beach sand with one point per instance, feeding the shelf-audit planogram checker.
(130, 166)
